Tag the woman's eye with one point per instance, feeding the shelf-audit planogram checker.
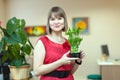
(59, 18)
(52, 19)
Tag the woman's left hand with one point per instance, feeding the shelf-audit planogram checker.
(82, 55)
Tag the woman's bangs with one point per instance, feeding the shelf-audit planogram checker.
(57, 14)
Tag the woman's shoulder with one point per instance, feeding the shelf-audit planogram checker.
(42, 37)
(41, 40)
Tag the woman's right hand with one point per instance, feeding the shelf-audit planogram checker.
(67, 60)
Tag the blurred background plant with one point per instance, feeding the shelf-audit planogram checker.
(15, 44)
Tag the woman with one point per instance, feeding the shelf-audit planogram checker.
(51, 53)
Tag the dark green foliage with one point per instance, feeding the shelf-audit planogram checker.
(15, 44)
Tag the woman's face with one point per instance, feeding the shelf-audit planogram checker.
(56, 23)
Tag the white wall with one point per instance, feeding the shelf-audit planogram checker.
(104, 25)
(2, 16)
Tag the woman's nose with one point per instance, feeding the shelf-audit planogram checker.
(56, 20)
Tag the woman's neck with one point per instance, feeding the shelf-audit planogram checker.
(56, 37)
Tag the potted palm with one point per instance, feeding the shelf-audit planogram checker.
(74, 40)
(14, 46)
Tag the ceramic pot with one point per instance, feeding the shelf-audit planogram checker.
(21, 73)
(75, 55)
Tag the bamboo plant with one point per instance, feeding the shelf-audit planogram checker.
(74, 39)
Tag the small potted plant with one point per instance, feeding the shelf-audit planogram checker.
(15, 46)
(74, 40)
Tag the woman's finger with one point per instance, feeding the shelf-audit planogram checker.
(73, 58)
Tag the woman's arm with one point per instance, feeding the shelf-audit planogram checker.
(76, 65)
(39, 55)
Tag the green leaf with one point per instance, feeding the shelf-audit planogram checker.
(14, 50)
(11, 25)
(27, 49)
(23, 23)
(22, 36)
(1, 45)
(16, 63)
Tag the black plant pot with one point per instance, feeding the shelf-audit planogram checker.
(75, 55)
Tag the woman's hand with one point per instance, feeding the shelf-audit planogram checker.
(82, 55)
(67, 60)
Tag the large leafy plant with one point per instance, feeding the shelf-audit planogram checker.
(15, 44)
(74, 38)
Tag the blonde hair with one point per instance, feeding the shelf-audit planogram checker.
(57, 12)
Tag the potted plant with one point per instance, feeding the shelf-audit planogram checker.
(14, 46)
(74, 40)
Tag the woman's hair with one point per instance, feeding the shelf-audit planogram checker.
(57, 12)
